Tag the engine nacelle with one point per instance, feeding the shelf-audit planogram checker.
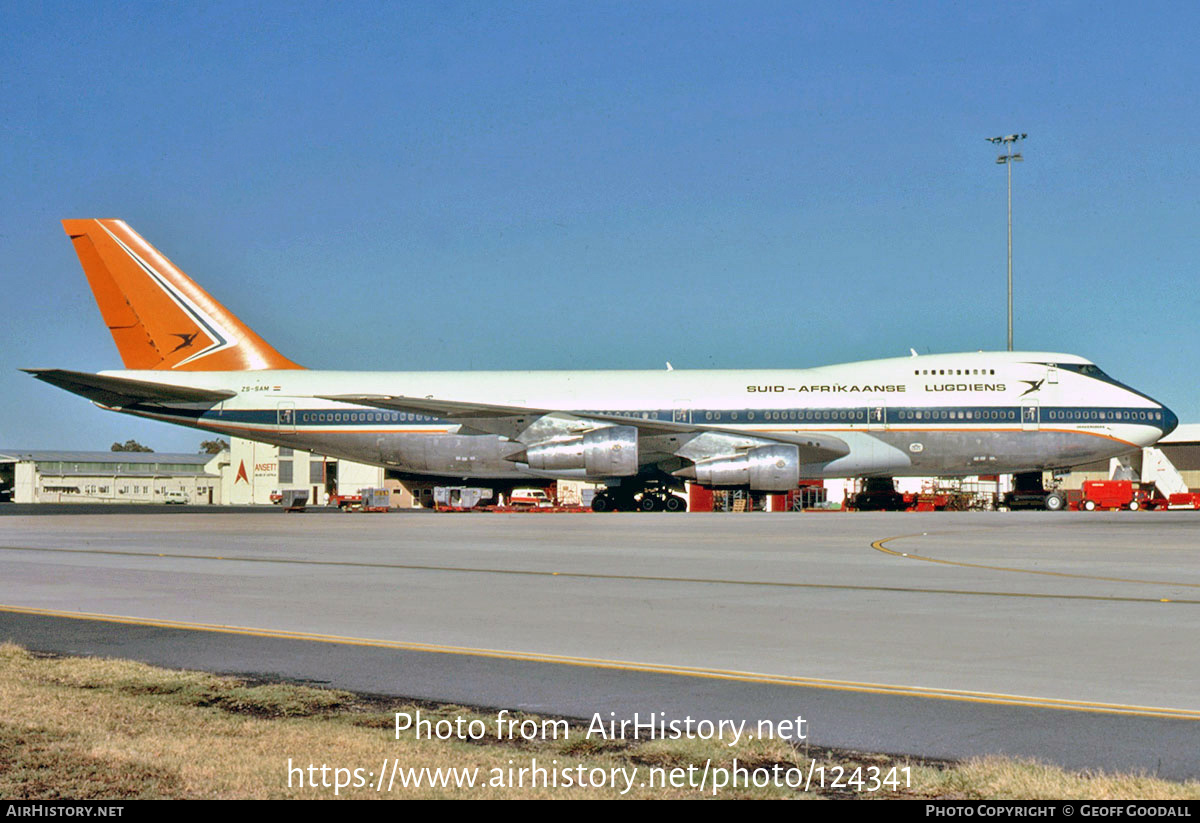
(765, 468)
(607, 452)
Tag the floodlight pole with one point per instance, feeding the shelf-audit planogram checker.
(1008, 158)
(1008, 168)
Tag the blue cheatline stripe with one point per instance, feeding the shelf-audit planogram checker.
(903, 416)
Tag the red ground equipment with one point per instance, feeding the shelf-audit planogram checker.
(1110, 494)
(1188, 500)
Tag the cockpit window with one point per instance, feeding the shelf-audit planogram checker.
(1094, 371)
(1090, 370)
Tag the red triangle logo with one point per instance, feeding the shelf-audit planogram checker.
(241, 475)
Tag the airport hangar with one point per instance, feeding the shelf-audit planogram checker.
(250, 473)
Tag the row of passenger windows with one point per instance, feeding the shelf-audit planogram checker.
(1080, 414)
(640, 415)
(952, 372)
(365, 417)
(947, 414)
(876, 414)
(832, 415)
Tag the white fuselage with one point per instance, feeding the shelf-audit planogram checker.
(951, 414)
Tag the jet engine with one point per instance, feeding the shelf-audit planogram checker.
(765, 468)
(608, 452)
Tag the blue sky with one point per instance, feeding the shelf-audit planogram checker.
(605, 185)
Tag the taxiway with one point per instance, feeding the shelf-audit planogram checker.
(1062, 636)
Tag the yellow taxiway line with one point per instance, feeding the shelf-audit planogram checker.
(881, 545)
(957, 695)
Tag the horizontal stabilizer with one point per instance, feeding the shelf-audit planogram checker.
(122, 391)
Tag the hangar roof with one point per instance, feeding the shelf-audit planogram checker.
(106, 457)
(81, 462)
(1184, 433)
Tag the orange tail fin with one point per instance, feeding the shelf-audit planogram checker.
(159, 318)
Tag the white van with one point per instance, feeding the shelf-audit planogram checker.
(176, 496)
(530, 499)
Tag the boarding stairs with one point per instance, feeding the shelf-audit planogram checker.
(1159, 470)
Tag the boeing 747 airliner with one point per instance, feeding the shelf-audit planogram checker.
(189, 361)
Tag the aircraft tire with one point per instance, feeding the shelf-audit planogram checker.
(649, 503)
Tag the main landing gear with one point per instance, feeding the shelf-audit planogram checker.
(1029, 493)
(652, 499)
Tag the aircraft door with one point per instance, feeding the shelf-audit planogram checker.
(285, 417)
(1031, 417)
(682, 411)
(876, 418)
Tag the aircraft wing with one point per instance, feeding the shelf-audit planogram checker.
(815, 447)
(454, 409)
(122, 391)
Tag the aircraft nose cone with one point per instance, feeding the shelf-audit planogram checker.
(1170, 421)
